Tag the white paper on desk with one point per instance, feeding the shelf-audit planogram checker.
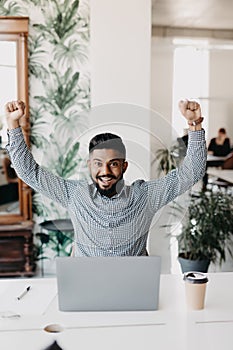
(35, 302)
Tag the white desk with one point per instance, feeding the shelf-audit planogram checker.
(211, 158)
(171, 327)
(224, 174)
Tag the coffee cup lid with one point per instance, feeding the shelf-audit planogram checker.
(195, 277)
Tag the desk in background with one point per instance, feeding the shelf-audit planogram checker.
(171, 327)
(224, 174)
(212, 161)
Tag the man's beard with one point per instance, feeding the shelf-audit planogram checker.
(116, 188)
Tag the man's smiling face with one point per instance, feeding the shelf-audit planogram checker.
(107, 167)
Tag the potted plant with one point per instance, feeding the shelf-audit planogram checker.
(206, 235)
(167, 159)
(60, 242)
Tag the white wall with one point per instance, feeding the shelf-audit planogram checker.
(120, 76)
(221, 92)
(120, 51)
(161, 104)
(161, 79)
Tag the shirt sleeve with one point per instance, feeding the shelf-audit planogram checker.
(35, 176)
(192, 169)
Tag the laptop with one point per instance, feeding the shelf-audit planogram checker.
(108, 283)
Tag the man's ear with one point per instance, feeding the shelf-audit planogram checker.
(125, 166)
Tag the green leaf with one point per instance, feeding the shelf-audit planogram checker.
(208, 229)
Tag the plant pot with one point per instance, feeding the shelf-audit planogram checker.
(193, 265)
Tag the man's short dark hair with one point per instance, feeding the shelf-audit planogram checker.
(109, 141)
(222, 130)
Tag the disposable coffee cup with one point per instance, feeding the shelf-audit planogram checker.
(195, 289)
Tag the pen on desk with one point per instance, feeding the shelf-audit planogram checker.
(24, 293)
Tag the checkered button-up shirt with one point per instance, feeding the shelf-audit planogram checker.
(110, 226)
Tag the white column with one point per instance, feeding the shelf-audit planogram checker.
(120, 76)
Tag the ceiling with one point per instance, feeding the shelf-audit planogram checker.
(195, 14)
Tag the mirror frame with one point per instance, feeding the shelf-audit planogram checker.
(16, 29)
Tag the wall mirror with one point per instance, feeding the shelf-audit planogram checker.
(15, 196)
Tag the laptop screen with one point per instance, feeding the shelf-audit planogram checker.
(108, 283)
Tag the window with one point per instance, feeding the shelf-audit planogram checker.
(190, 78)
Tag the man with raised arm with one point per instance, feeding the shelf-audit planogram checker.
(109, 217)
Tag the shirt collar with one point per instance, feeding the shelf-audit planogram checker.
(121, 194)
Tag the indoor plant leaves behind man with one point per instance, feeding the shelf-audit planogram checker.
(207, 233)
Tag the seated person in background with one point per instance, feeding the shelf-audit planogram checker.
(220, 146)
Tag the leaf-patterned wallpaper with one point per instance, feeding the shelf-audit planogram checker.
(59, 85)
